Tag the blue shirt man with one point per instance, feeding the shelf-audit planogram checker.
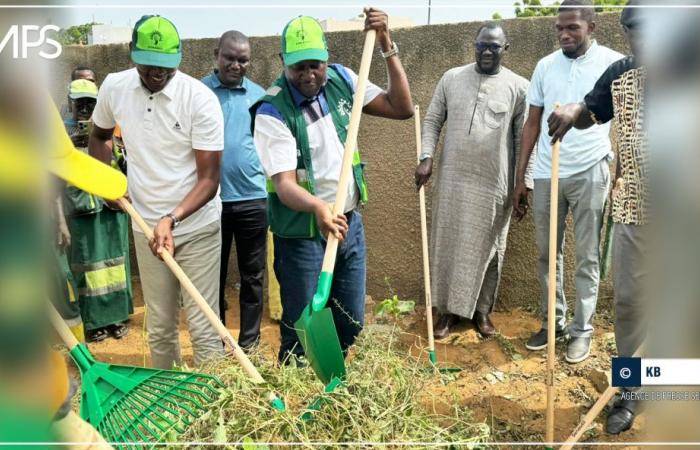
(243, 193)
(242, 176)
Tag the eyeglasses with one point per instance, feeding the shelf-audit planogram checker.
(483, 46)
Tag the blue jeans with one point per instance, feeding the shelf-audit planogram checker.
(297, 266)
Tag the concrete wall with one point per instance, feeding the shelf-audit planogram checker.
(391, 218)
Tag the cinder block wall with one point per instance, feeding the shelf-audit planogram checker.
(391, 218)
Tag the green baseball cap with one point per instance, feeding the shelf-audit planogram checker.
(82, 89)
(303, 39)
(156, 42)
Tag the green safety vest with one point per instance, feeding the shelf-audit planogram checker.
(286, 222)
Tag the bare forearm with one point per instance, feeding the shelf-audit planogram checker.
(297, 198)
(59, 211)
(398, 90)
(100, 149)
(200, 195)
(100, 144)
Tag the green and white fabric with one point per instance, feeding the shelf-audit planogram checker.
(99, 259)
(307, 135)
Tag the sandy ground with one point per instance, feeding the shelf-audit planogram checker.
(502, 382)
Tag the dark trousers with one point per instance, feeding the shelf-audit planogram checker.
(297, 266)
(246, 222)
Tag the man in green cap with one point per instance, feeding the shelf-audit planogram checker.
(172, 125)
(308, 108)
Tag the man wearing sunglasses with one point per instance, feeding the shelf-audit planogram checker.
(483, 105)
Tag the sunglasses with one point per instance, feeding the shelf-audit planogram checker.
(483, 46)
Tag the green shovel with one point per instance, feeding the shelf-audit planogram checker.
(315, 327)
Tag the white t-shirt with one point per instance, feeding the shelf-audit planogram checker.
(559, 79)
(160, 132)
(277, 148)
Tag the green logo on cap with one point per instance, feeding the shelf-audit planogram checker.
(156, 37)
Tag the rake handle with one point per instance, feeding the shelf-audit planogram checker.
(214, 320)
(424, 241)
(62, 329)
(350, 145)
(589, 417)
(594, 411)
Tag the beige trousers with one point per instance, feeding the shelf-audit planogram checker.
(198, 253)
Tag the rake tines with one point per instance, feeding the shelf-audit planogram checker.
(167, 400)
(136, 406)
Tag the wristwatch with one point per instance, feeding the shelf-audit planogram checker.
(174, 218)
(394, 50)
(424, 156)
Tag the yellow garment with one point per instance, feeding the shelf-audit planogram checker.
(78, 331)
(61, 384)
(78, 168)
(273, 286)
(79, 433)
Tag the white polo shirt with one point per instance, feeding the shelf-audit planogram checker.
(160, 132)
(559, 79)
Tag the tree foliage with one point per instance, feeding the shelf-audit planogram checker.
(75, 35)
(534, 8)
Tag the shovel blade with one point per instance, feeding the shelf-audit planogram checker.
(318, 336)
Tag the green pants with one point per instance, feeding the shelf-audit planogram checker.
(64, 294)
(99, 261)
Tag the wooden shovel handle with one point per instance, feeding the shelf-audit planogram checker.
(350, 146)
(61, 328)
(199, 300)
(552, 291)
(424, 242)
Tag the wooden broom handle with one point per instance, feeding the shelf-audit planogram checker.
(61, 328)
(552, 291)
(424, 242)
(214, 320)
(350, 146)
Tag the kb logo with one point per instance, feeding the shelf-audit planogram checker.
(654, 371)
(625, 373)
(24, 37)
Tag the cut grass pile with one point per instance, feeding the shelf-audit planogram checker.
(383, 400)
